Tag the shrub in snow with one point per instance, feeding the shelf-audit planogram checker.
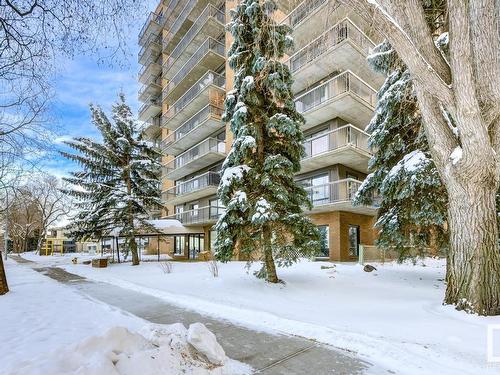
(206, 343)
(213, 268)
(166, 267)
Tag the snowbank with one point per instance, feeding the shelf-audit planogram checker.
(392, 317)
(45, 328)
(157, 350)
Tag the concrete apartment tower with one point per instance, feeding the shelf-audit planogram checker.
(185, 77)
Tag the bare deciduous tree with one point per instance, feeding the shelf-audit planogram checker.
(459, 99)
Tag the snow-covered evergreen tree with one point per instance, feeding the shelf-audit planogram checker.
(120, 177)
(413, 200)
(264, 204)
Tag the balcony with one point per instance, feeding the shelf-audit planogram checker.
(152, 87)
(200, 216)
(210, 23)
(181, 24)
(342, 47)
(151, 67)
(153, 24)
(190, 190)
(151, 108)
(151, 47)
(208, 90)
(204, 154)
(345, 96)
(151, 128)
(172, 10)
(346, 145)
(194, 130)
(337, 196)
(209, 56)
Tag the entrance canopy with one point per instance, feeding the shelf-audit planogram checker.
(165, 227)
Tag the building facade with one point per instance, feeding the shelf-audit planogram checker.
(185, 76)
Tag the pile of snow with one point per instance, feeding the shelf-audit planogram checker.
(158, 349)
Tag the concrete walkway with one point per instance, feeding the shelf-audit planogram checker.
(269, 354)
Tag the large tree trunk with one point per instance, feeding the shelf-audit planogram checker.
(473, 274)
(271, 275)
(133, 249)
(4, 287)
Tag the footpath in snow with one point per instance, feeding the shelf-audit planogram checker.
(393, 317)
(47, 328)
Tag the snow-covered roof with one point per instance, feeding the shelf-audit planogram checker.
(166, 226)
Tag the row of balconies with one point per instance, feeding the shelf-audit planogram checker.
(210, 23)
(335, 195)
(209, 56)
(346, 145)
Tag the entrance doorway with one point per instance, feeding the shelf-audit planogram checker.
(354, 240)
(196, 244)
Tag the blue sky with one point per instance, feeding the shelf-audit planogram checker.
(81, 81)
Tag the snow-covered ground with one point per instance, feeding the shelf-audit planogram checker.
(47, 328)
(393, 316)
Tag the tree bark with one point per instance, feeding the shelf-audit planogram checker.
(271, 275)
(133, 250)
(473, 276)
(4, 287)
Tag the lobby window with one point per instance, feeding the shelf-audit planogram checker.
(324, 231)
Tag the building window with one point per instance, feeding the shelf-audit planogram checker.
(354, 240)
(179, 244)
(213, 237)
(318, 189)
(324, 231)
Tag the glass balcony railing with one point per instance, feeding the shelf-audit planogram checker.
(196, 152)
(210, 11)
(208, 179)
(152, 122)
(152, 60)
(302, 11)
(157, 19)
(200, 215)
(334, 139)
(169, 10)
(151, 100)
(344, 30)
(209, 111)
(152, 39)
(151, 80)
(179, 21)
(209, 45)
(210, 78)
(333, 192)
(345, 82)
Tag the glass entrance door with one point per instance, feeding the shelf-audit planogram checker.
(353, 240)
(196, 245)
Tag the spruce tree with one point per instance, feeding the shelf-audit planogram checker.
(120, 178)
(412, 213)
(263, 202)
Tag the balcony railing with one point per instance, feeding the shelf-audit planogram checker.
(209, 45)
(193, 122)
(344, 30)
(208, 179)
(196, 152)
(151, 80)
(151, 122)
(333, 192)
(151, 100)
(153, 38)
(150, 61)
(210, 11)
(185, 12)
(200, 215)
(153, 17)
(169, 10)
(302, 11)
(331, 140)
(336, 86)
(210, 78)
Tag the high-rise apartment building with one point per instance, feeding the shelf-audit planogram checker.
(185, 76)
